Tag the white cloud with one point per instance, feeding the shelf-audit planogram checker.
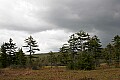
(17, 36)
(20, 15)
(50, 40)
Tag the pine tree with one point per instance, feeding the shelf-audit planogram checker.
(83, 50)
(52, 58)
(20, 58)
(32, 45)
(73, 50)
(65, 48)
(3, 57)
(78, 43)
(108, 53)
(94, 47)
(116, 44)
(64, 56)
(82, 40)
(10, 50)
(73, 43)
(85, 61)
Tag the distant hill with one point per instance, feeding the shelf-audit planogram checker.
(41, 55)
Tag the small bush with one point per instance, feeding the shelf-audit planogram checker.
(35, 68)
(16, 66)
(85, 62)
(70, 66)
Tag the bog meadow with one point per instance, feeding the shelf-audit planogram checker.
(82, 58)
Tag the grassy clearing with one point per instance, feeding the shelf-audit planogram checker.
(59, 73)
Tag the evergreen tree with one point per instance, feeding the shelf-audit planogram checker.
(82, 40)
(10, 50)
(65, 48)
(94, 47)
(52, 58)
(73, 43)
(64, 56)
(108, 53)
(85, 61)
(32, 45)
(3, 57)
(116, 44)
(20, 58)
(73, 50)
(84, 51)
(78, 43)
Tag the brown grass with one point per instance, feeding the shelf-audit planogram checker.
(59, 73)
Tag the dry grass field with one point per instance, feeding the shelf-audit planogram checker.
(59, 74)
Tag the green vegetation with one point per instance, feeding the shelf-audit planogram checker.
(31, 44)
(9, 56)
(74, 61)
(82, 52)
(52, 58)
(20, 58)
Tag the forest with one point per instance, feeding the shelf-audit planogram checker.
(82, 52)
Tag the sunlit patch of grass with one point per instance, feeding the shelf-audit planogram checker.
(54, 66)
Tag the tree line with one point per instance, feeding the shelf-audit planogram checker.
(10, 56)
(81, 52)
(86, 53)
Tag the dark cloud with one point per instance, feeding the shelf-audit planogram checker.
(100, 17)
(100, 14)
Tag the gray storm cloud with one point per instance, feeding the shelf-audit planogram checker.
(74, 15)
(89, 15)
(34, 16)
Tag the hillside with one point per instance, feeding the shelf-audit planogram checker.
(42, 55)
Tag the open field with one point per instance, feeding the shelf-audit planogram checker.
(59, 74)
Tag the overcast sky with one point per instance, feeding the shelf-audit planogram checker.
(51, 22)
